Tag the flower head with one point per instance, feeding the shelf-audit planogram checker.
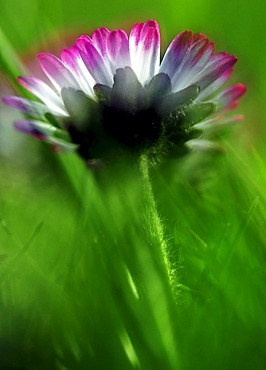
(112, 91)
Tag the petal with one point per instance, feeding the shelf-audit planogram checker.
(200, 52)
(210, 90)
(144, 46)
(56, 71)
(44, 93)
(72, 59)
(99, 38)
(204, 145)
(85, 37)
(44, 131)
(194, 62)
(175, 55)
(118, 49)
(39, 130)
(30, 107)
(97, 66)
(230, 95)
(134, 37)
(198, 36)
(218, 122)
(217, 66)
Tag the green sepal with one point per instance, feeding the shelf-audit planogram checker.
(183, 98)
(197, 112)
(83, 111)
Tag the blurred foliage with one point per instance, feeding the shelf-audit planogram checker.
(82, 285)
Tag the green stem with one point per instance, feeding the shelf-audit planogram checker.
(156, 224)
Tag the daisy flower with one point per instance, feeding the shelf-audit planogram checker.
(112, 90)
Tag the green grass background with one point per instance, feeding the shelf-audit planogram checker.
(82, 285)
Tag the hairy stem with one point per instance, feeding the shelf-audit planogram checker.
(156, 224)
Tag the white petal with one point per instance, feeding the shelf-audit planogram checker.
(144, 47)
(57, 72)
(44, 93)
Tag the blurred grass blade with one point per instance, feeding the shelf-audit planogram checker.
(9, 60)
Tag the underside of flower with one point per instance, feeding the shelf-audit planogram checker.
(110, 92)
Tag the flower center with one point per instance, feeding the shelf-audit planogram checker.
(134, 130)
